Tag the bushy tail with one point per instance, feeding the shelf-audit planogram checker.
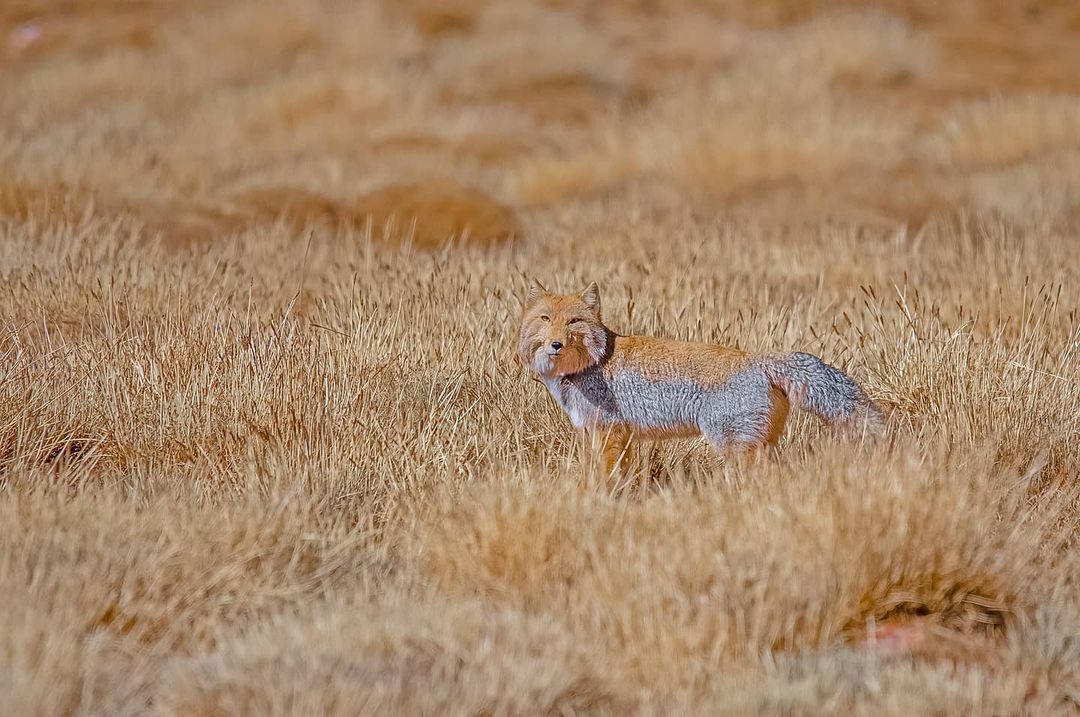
(824, 390)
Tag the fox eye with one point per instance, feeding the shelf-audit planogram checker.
(545, 317)
(577, 321)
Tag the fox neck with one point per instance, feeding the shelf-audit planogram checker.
(567, 395)
(563, 387)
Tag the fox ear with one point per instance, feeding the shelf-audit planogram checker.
(591, 297)
(536, 290)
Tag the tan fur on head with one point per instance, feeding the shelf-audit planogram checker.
(561, 334)
(591, 297)
(536, 290)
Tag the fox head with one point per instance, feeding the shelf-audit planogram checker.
(562, 334)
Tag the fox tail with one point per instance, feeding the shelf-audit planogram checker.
(824, 390)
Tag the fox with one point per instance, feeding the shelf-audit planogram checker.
(617, 388)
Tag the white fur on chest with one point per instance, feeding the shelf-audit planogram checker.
(560, 391)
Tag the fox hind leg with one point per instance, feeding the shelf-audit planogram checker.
(775, 422)
(746, 415)
(778, 415)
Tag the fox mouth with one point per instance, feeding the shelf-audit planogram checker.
(545, 362)
(562, 362)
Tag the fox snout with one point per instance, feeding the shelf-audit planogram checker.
(552, 344)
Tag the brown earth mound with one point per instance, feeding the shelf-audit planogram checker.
(429, 213)
(434, 212)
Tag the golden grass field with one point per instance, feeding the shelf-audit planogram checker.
(264, 449)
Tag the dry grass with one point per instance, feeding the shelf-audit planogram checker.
(262, 450)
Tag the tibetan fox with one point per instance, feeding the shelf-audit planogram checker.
(615, 388)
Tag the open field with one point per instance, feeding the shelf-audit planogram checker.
(264, 449)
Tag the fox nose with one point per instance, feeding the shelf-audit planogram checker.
(556, 345)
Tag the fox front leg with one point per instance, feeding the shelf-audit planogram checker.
(611, 444)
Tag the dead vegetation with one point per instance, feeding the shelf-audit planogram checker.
(261, 448)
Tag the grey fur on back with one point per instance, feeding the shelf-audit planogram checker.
(738, 411)
(824, 390)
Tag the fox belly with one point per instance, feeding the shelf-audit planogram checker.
(644, 405)
(593, 401)
(659, 408)
(744, 409)
(748, 407)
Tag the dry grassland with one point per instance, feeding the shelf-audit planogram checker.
(262, 449)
